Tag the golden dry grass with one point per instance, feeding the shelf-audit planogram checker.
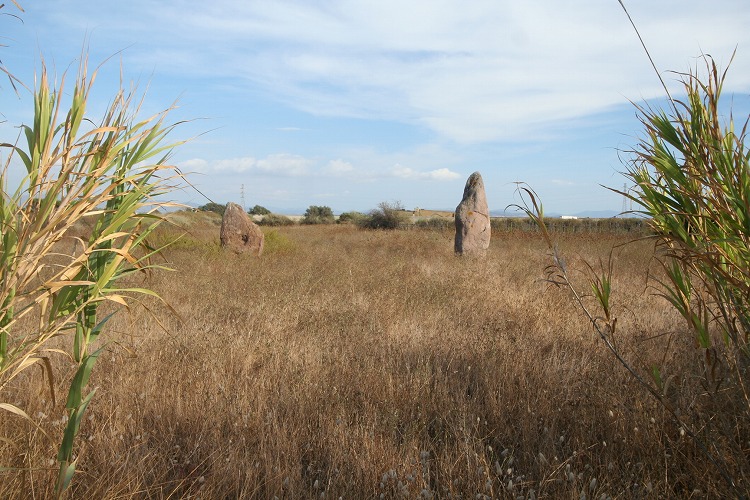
(367, 364)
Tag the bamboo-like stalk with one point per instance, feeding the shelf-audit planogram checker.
(692, 184)
(110, 173)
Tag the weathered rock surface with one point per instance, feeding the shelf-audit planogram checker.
(473, 219)
(239, 232)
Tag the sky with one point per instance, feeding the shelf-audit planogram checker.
(349, 103)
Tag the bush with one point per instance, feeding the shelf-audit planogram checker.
(259, 210)
(276, 220)
(386, 216)
(318, 215)
(350, 217)
(213, 207)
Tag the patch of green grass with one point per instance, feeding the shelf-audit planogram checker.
(276, 242)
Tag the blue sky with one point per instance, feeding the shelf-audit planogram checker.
(348, 103)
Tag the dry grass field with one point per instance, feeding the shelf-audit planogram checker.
(347, 363)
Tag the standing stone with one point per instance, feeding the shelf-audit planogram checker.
(239, 232)
(473, 219)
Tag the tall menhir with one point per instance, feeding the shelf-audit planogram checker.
(473, 219)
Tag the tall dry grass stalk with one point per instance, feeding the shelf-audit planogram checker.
(104, 177)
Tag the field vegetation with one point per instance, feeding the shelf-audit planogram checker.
(351, 363)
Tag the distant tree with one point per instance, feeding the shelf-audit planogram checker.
(386, 216)
(259, 210)
(213, 207)
(318, 215)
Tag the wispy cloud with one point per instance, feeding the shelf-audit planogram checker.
(282, 165)
(441, 174)
(491, 70)
(288, 165)
(194, 165)
(562, 182)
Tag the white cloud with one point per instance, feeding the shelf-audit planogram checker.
(235, 165)
(441, 174)
(562, 182)
(281, 165)
(194, 165)
(295, 166)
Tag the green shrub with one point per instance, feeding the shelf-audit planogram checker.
(350, 217)
(276, 220)
(259, 210)
(387, 216)
(318, 215)
(213, 207)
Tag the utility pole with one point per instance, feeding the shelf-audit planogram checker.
(624, 198)
(242, 197)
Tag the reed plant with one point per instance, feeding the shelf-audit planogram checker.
(692, 178)
(103, 178)
(691, 172)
